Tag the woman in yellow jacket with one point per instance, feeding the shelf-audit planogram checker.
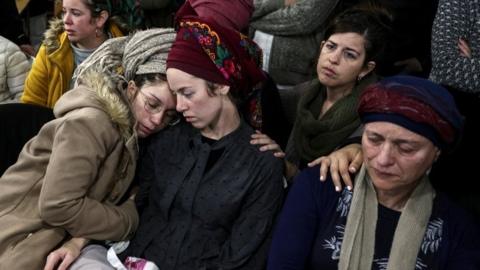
(84, 26)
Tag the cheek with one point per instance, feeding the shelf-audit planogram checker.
(350, 71)
(138, 110)
(85, 25)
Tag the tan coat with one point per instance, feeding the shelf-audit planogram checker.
(69, 178)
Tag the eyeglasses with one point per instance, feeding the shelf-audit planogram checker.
(154, 106)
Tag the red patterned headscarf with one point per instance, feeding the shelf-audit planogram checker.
(416, 104)
(218, 54)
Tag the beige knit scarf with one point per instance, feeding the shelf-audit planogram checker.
(359, 238)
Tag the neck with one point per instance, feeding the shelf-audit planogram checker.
(227, 122)
(395, 199)
(334, 95)
(92, 43)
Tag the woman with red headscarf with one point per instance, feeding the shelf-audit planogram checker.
(207, 197)
(394, 218)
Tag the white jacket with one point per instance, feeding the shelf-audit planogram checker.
(14, 67)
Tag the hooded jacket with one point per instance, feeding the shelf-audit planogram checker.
(70, 178)
(53, 66)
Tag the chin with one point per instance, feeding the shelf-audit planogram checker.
(141, 134)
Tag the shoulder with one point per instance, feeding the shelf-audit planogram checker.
(247, 151)
(115, 30)
(180, 132)
(53, 35)
(309, 179)
(456, 219)
(88, 120)
(90, 126)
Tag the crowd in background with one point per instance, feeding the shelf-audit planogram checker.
(196, 131)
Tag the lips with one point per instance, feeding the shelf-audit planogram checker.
(189, 118)
(145, 130)
(328, 72)
(382, 174)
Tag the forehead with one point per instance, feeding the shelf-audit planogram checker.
(351, 40)
(79, 4)
(394, 132)
(178, 79)
(157, 89)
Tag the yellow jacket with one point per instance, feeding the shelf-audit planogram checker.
(53, 67)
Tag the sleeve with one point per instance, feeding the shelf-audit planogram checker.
(17, 70)
(464, 243)
(263, 7)
(144, 179)
(304, 17)
(80, 147)
(36, 84)
(296, 227)
(243, 249)
(453, 21)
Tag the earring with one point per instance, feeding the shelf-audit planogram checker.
(97, 33)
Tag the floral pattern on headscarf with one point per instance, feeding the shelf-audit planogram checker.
(213, 47)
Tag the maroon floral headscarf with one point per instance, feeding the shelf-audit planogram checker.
(215, 53)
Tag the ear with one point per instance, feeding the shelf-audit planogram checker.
(222, 89)
(367, 69)
(437, 154)
(102, 19)
(131, 90)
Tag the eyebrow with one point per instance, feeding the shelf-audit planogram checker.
(149, 95)
(180, 90)
(347, 48)
(395, 141)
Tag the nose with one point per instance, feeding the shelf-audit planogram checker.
(67, 18)
(157, 118)
(335, 56)
(181, 105)
(385, 157)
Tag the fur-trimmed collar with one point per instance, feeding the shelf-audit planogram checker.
(112, 100)
(102, 89)
(51, 35)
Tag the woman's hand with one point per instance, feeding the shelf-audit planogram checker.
(63, 257)
(341, 162)
(267, 144)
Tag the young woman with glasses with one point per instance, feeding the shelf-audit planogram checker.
(73, 179)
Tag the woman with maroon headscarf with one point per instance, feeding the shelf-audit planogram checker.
(393, 219)
(207, 197)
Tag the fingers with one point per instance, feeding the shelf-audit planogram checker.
(324, 165)
(344, 172)
(67, 261)
(335, 175)
(261, 139)
(52, 260)
(270, 147)
(356, 163)
(266, 144)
